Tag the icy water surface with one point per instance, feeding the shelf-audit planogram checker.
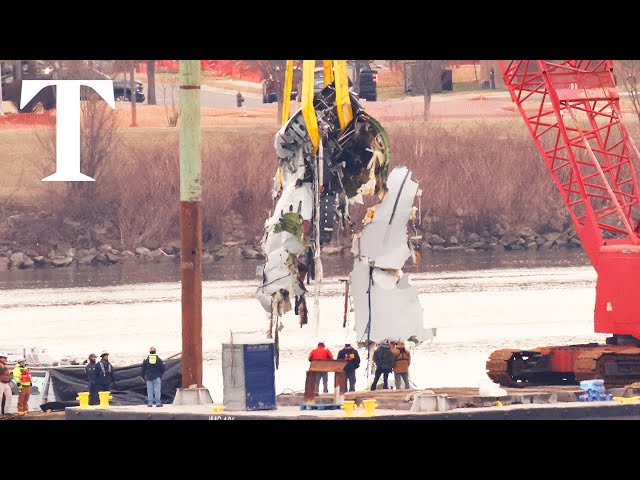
(478, 302)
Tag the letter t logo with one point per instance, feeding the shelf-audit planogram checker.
(68, 122)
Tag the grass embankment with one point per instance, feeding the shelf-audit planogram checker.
(473, 174)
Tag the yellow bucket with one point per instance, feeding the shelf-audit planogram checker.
(369, 406)
(624, 400)
(104, 398)
(83, 398)
(348, 407)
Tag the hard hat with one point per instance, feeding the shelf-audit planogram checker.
(21, 359)
(320, 342)
(104, 352)
(3, 355)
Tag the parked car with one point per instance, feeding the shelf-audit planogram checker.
(46, 98)
(368, 81)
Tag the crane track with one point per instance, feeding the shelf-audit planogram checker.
(498, 368)
(617, 365)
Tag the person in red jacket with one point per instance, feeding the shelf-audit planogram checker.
(321, 353)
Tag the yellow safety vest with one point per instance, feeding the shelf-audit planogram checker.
(22, 375)
(153, 358)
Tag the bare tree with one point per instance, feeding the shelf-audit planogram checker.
(151, 82)
(99, 145)
(427, 76)
(629, 73)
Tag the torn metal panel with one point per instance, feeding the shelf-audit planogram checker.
(385, 304)
(384, 238)
(395, 309)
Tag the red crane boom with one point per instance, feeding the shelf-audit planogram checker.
(572, 110)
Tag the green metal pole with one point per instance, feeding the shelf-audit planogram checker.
(191, 223)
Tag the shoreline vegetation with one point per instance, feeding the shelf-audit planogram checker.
(484, 187)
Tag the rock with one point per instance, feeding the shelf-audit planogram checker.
(575, 241)
(453, 240)
(92, 251)
(100, 258)
(71, 252)
(207, 258)
(436, 240)
(4, 264)
(86, 259)
(143, 251)
(81, 252)
(455, 248)
(113, 258)
(40, 261)
(28, 263)
(509, 240)
(471, 250)
(231, 244)
(127, 256)
(61, 261)
(479, 246)
(438, 248)
(531, 246)
(473, 237)
(515, 246)
(104, 248)
(253, 254)
(561, 242)
(526, 232)
(17, 259)
(157, 255)
(552, 236)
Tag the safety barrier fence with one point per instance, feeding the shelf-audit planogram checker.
(258, 114)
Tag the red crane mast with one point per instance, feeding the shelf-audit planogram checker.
(572, 110)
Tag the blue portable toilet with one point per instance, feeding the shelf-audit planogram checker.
(248, 376)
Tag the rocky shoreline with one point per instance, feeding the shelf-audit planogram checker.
(63, 255)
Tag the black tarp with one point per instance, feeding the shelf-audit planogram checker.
(129, 389)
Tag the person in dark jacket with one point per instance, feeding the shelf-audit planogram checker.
(90, 371)
(104, 373)
(351, 354)
(152, 369)
(383, 358)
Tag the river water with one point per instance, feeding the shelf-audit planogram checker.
(479, 302)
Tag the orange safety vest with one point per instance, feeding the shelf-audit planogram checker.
(22, 375)
(25, 376)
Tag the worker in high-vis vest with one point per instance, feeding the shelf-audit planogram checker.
(152, 369)
(22, 377)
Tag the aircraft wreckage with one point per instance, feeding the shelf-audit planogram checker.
(333, 154)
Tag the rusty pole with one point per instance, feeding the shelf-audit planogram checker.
(190, 223)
